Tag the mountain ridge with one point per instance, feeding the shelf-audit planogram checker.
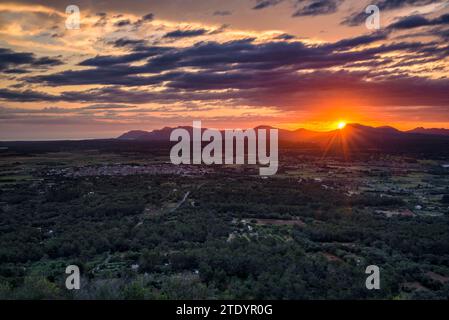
(299, 134)
(435, 131)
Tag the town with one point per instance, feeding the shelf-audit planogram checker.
(213, 152)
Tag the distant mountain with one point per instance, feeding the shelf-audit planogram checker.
(351, 140)
(299, 135)
(353, 137)
(436, 131)
(134, 135)
(155, 135)
(164, 134)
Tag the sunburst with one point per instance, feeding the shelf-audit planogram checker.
(341, 125)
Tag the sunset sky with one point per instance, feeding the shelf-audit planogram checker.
(139, 64)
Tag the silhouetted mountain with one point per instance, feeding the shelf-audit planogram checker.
(155, 135)
(354, 137)
(421, 130)
(164, 134)
(299, 135)
(353, 140)
(134, 135)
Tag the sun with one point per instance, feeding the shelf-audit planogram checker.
(341, 125)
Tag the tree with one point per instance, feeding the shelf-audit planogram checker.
(5, 291)
(37, 288)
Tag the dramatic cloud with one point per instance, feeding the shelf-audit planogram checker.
(186, 33)
(262, 4)
(124, 42)
(13, 62)
(395, 4)
(123, 23)
(139, 54)
(271, 74)
(283, 90)
(360, 40)
(26, 96)
(358, 18)
(165, 66)
(419, 21)
(304, 7)
(318, 7)
(285, 36)
(148, 17)
(126, 64)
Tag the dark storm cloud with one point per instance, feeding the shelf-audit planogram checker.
(318, 7)
(10, 60)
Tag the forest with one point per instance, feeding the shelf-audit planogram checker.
(216, 236)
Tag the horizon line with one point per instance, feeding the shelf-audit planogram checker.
(256, 127)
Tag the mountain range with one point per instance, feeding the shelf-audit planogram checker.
(299, 135)
(436, 131)
(354, 137)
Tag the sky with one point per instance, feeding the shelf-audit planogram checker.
(143, 65)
